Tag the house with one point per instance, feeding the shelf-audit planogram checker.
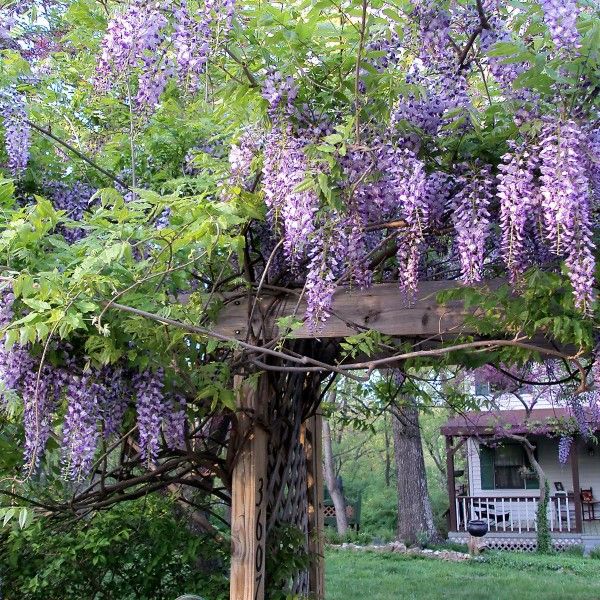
(499, 485)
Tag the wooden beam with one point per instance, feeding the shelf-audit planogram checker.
(451, 482)
(380, 307)
(312, 441)
(576, 486)
(248, 502)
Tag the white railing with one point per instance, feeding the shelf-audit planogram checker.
(516, 514)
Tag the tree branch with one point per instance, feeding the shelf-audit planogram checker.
(77, 153)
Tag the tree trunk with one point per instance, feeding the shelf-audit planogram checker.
(388, 458)
(415, 516)
(332, 484)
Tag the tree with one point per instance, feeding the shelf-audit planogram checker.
(331, 480)
(415, 516)
(203, 154)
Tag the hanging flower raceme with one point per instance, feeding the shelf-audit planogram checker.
(409, 189)
(174, 423)
(21, 374)
(560, 17)
(327, 254)
(81, 426)
(593, 151)
(292, 208)
(150, 403)
(518, 193)
(505, 73)
(434, 29)
(564, 448)
(113, 399)
(17, 132)
(566, 191)
(241, 156)
(362, 199)
(142, 38)
(471, 220)
(132, 35)
(74, 199)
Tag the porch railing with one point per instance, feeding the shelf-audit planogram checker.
(516, 514)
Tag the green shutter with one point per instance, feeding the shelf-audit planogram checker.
(532, 483)
(486, 462)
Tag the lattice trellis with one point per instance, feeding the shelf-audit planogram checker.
(287, 499)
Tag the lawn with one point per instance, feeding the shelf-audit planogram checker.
(500, 576)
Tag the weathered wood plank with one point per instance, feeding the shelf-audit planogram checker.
(381, 307)
(248, 502)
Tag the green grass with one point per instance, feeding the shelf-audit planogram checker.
(498, 576)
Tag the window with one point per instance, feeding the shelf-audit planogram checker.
(509, 462)
(482, 388)
(505, 468)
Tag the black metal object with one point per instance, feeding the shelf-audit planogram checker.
(477, 527)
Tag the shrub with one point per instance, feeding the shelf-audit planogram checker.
(574, 550)
(135, 551)
(595, 553)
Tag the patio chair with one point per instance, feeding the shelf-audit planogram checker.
(588, 504)
(493, 514)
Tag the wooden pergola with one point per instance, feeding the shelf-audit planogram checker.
(379, 308)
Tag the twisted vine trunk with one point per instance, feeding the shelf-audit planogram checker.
(544, 541)
(415, 516)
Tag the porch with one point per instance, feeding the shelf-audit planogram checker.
(518, 514)
(499, 486)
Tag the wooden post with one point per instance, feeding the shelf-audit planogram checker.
(248, 502)
(313, 447)
(576, 486)
(450, 450)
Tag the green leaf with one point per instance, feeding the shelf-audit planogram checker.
(38, 305)
(8, 515)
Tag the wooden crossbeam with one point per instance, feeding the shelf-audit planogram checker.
(380, 308)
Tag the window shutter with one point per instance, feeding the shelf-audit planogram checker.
(532, 483)
(486, 462)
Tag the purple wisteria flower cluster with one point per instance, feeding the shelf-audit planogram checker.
(566, 192)
(326, 264)
(81, 426)
(150, 404)
(133, 39)
(17, 132)
(241, 156)
(292, 208)
(160, 40)
(74, 199)
(409, 190)
(520, 202)
(174, 422)
(564, 448)
(561, 18)
(96, 402)
(471, 218)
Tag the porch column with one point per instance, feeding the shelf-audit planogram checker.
(249, 486)
(450, 450)
(576, 485)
